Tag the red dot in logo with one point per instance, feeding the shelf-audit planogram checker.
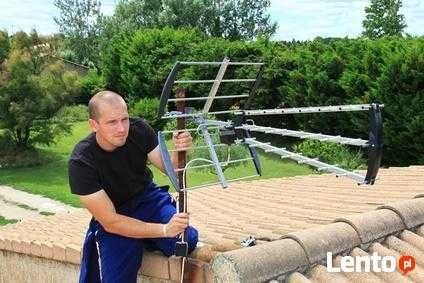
(406, 263)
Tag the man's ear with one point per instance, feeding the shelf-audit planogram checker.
(93, 124)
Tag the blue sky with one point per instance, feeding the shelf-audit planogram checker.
(298, 19)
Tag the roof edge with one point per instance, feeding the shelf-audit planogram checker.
(299, 250)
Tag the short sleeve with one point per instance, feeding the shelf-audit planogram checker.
(145, 134)
(83, 179)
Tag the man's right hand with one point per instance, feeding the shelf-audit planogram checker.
(177, 224)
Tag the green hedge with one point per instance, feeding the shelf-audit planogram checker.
(311, 73)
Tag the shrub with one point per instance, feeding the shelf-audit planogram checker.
(311, 73)
(147, 108)
(91, 83)
(136, 64)
(10, 157)
(332, 153)
(30, 97)
(73, 113)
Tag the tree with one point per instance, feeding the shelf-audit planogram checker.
(4, 45)
(139, 13)
(30, 97)
(20, 41)
(80, 22)
(243, 19)
(33, 45)
(383, 19)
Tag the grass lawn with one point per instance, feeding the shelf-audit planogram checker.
(51, 180)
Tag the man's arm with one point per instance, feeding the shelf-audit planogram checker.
(182, 140)
(101, 207)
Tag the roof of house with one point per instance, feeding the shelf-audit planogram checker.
(392, 230)
(295, 207)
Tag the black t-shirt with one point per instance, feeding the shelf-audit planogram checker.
(122, 173)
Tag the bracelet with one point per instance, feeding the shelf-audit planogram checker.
(164, 228)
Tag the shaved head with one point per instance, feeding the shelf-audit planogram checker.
(109, 119)
(101, 98)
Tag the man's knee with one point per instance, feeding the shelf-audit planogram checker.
(192, 238)
(167, 245)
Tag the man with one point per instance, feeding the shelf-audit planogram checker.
(108, 171)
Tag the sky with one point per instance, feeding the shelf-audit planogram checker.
(297, 19)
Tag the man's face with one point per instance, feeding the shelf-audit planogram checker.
(111, 126)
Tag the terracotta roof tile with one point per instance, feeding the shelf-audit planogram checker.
(297, 277)
(374, 225)
(336, 237)
(403, 247)
(320, 274)
(417, 275)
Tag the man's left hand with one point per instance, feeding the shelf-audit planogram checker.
(182, 140)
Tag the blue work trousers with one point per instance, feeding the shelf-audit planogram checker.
(109, 257)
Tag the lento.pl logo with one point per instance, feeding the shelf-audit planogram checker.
(374, 263)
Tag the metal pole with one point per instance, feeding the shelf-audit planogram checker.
(181, 154)
(181, 247)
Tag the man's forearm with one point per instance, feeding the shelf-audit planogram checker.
(134, 228)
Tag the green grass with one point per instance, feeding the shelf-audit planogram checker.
(4, 221)
(51, 179)
(272, 167)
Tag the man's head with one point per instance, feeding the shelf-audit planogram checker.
(108, 118)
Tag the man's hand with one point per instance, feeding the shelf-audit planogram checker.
(176, 225)
(182, 140)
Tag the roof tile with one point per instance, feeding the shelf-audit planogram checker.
(358, 277)
(403, 247)
(413, 239)
(260, 262)
(416, 275)
(410, 211)
(375, 224)
(297, 277)
(336, 237)
(319, 273)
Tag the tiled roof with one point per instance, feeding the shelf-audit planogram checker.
(263, 208)
(274, 207)
(391, 230)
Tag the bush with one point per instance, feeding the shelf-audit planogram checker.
(31, 93)
(136, 64)
(23, 158)
(90, 85)
(401, 89)
(147, 108)
(296, 74)
(10, 157)
(332, 153)
(72, 114)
